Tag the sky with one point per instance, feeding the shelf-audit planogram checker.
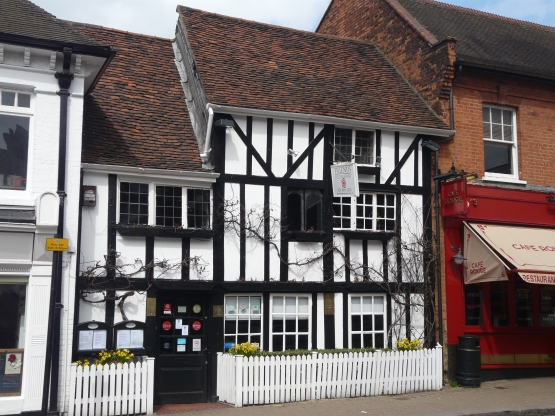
(158, 17)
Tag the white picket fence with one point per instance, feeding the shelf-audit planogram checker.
(117, 389)
(266, 380)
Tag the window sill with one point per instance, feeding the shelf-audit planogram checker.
(366, 235)
(304, 236)
(503, 179)
(168, 232)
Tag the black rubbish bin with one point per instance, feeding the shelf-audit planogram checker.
(468, 361)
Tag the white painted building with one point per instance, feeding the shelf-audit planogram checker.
(43, 64)
(214, 219)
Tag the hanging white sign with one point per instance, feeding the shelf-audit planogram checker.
(344, 179)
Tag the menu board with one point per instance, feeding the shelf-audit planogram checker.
(130, 338)
(523, 299)
(473, 304)
(11, 371)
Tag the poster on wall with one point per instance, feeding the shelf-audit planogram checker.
(11, 371)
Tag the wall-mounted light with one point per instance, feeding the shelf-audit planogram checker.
(228, 124)
(458, 258)
(431, 145)
(378, 161)
(292, 152)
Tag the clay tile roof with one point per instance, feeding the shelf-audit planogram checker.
(21, 20)
(489, 40)
(137, 115)
(253, 65)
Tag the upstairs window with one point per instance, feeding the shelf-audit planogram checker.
(500, 151)
(357, 143)
(161, 205)
(304, 210)
(368, 211)
(14, 139)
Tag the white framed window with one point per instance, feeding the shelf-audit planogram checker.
(15, 124)
(242, 320)
(12, 315)
(368, 211)
(290, 322)
(349, 143)
(500, 142)
(144, 203)
(368, 321)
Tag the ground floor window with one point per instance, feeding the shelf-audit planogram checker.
(243, 320)
(367, 324)
(290, 322)
(12, 315)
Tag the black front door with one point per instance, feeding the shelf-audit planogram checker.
(182, 354)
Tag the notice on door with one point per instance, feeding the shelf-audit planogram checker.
(11, 370)
(196, 344)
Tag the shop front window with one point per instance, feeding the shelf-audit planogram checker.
(499, 304)
(12, 316)
(523, 301)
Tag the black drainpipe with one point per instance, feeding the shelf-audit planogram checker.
(52, 361)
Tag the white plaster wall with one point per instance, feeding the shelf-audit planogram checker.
(275, 212)
(356, 257)
(388, 154)
(407, 171)
(318, 159)
(320, 327)
(412, 217)
(94, 225)
(134, 307)
(279, 147)
(398, 328)
(254, 248)
(131, 249)
(417, 316)
(375, 260)
(338, 300)
(92, 311)
(231, 239)
(300, 143)
(235, 149)
(168, 249)
(259, 142)
(299, 252)
(203, 269)
(338, 258)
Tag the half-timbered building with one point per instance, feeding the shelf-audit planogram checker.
(215, 222)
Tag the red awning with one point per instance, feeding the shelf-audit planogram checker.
(481, 264)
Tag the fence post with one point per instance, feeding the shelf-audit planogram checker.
(219, 375)
(150, 385)
(439, 366)
(238, 381)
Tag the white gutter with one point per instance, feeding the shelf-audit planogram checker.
(204, 155)
(319, 119)
(208, 177)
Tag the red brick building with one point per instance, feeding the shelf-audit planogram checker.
(491, 79)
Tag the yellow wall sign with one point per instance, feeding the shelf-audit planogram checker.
(56, 244)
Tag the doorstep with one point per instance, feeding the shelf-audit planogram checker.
(165, 409)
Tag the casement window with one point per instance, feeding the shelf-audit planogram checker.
(243, 320)
(147, 203)
(290, 322)
(349, 143)
(367, 323)
(500, 147)
(304, 210)
(15, 120)
(368, 211)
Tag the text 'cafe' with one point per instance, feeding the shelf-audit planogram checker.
(504, 288)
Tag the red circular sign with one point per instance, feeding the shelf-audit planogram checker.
(196, 325)
(166, 325)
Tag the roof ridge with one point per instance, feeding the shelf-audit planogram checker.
(111, 29)
(320, 35)
(486, 14)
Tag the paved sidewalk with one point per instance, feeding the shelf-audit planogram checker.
(491, 397)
